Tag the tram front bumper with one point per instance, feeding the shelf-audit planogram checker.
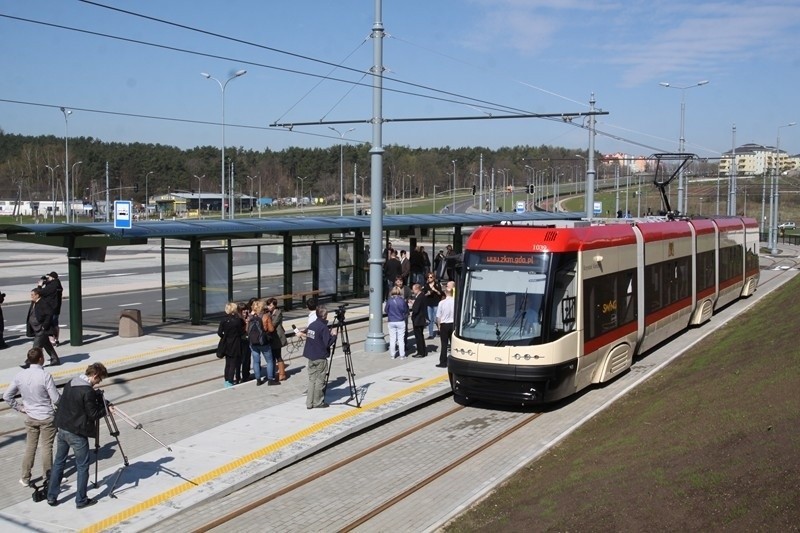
(512, 384)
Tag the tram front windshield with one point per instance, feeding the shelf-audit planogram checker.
(503, 300)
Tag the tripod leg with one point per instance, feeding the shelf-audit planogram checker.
(96, 449)
(116, 479)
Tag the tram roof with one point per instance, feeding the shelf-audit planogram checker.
(96, 234)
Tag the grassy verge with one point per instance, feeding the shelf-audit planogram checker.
(711, 443)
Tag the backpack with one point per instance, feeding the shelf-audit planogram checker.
(256, 335)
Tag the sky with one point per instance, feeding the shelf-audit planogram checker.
(131, 72)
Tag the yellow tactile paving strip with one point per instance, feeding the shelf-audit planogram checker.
(257, 454)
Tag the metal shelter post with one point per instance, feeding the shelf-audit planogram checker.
(195, 282)
(287, 271)
(75, 297)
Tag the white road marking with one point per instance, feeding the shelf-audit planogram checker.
(93, 309)
(128, 305)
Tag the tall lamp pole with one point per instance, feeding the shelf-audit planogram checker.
(682, 140)
(53, 189)
(777, 176)
(199, 195)
(341, 167)
(147, 196)
(302, 198)
(453, 210)
(67, 113)
(222, 165)
(73, 182)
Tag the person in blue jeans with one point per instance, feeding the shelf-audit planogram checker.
(433, 295)
(265, 350)
(78, 411)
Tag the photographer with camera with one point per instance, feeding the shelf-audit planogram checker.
(81, 406)
(39, 396)
(319, 339)
(52, 292)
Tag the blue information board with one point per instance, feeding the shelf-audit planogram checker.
(122, 214)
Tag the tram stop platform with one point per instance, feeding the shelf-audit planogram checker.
(162, 483)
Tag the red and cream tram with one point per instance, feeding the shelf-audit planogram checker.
(545, 311)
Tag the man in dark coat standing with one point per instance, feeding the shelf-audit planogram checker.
(39, 325)
(419, 319)
(80, 407)
(392, 271)
(52, 291)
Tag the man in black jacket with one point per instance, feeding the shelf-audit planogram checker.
(39, 324)
(79, 409)
(52, 292)
(419, 319)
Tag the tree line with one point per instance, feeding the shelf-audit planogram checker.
(32, 167)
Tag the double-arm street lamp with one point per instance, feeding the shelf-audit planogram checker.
(222, 165)
(776, 175)
(341, 167)
(199, 195)
(682, 140)
(67, 113)
(53, 189)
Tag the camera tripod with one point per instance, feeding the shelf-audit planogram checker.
(113, 430)
(343, 339)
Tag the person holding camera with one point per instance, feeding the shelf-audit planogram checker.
(319, 339)
(52, 292)
(80, 408)
(3, 344)
(39, 325)
(39, 396)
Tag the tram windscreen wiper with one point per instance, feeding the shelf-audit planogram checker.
(518, 316)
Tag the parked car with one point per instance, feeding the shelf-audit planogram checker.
(787, 225)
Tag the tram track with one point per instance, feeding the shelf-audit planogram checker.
(255, 504)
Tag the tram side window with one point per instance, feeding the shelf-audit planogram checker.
(751, 259)
(610, 302)
(730, 262)
(562, 317)
(705, 270)
(667, 282)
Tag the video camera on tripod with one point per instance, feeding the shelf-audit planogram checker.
(339, 314)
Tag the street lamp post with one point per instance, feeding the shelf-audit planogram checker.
(777, 174)
(252, 180)
(682, 140)
(147, 196)
(453, 210)
(434, 198)
(302, 197)
(199, 195)
(341, 167)
(73, 183)
(222, 165)
(67, 113)
(53, 189)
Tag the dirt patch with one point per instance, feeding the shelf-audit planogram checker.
(711, 443)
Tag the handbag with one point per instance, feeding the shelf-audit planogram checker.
(221, 348)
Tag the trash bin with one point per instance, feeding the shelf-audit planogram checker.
(130, 323)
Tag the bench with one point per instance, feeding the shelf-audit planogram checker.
(303, 295)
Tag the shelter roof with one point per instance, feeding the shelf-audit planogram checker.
(105, 234)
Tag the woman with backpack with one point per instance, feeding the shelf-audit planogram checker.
(279, 338)
(259, 334)
(230, 331)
